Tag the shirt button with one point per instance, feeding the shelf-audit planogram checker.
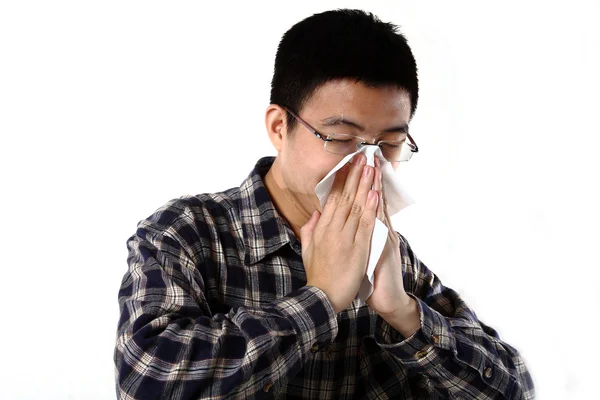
(487, 372)
(314, 348)
(421, 353)
(436, 339)
(268, 386)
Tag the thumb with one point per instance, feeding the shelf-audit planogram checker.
(306, 232)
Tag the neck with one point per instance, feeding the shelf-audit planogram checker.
(287, 202)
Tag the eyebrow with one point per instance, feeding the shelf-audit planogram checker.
(337, 121)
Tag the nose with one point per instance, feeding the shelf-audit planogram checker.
(363, 144)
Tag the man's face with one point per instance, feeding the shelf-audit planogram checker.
(305, 162)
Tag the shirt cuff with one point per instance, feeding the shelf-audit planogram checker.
(312, 315)
(431, 344)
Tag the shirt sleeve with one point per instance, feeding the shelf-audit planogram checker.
(457, 353)
(169, 345)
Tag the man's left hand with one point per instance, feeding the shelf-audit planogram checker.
(389, 299)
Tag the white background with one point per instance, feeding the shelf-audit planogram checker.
(110, 109)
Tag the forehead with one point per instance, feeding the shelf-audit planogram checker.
(357, 100)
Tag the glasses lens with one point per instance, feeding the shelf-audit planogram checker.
(342, 144)
(347, 144)
(392, 151)
(396, 151)
(406, 152)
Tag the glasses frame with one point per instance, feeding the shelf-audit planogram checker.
(413, 146)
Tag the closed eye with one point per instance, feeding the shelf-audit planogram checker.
(341, 140)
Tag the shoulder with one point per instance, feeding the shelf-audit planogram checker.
(193, 208)
(190, 220)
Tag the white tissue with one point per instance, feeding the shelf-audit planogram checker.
(396, 198)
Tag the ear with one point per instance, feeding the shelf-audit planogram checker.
(276, 125)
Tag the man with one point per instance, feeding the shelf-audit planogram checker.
(251, 292)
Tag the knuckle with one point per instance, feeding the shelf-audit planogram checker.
(345, 198)
(357, 210)
(333, 198)
(364, 222)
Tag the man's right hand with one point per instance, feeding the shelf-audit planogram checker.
(336, 244)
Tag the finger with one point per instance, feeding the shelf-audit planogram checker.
(380, 174)
(377, 181)
(334, 194)
(357, 172)
(366, 223)
(377, 185)
(360, 201)
(387, 219)
(307, 230)
(380, 213)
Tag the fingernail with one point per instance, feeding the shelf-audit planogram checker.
(373, 198)
(366, 171)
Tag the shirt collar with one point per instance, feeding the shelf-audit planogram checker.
(264, 230)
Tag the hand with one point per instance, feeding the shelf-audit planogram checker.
(336, 244)
(389, 296)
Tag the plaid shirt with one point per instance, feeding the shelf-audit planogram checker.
(215, 305)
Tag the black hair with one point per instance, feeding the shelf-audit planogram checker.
(338, 44)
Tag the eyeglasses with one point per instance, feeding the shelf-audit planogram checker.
(338, 143)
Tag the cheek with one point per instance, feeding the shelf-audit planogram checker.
(307, 163)
(304, 171)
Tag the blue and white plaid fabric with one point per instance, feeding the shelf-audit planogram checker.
(215, 305)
